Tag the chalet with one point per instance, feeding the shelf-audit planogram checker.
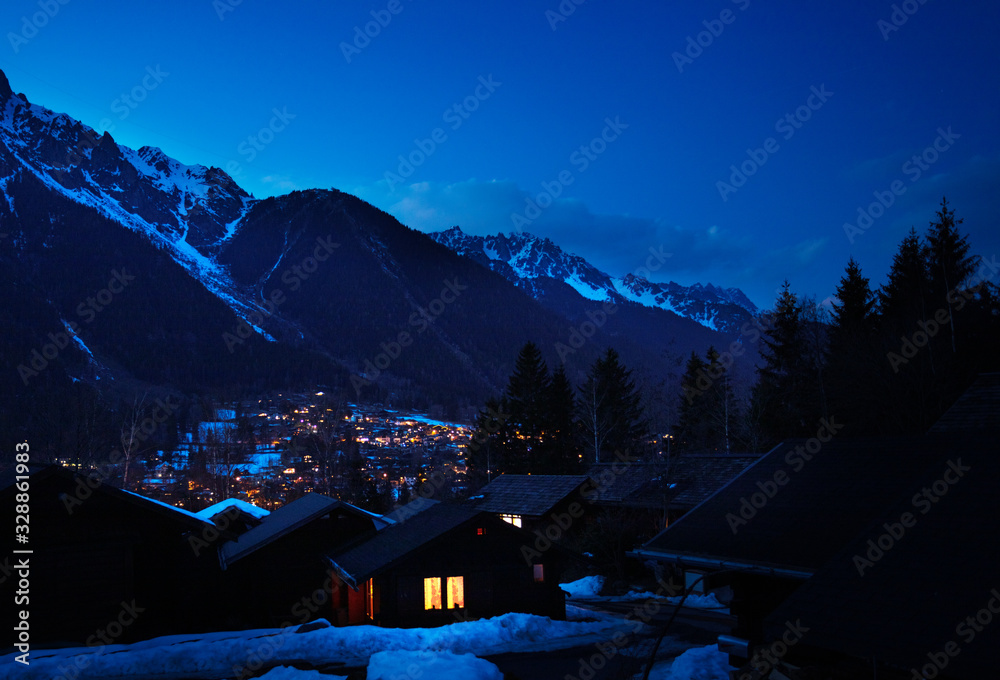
(446, 563)
(108, 561)
(530, 501)
(663, 492)
(273, 566)
(875, 551)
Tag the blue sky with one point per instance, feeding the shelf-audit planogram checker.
(533, 84)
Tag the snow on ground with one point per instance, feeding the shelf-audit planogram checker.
(698, 663)
(288, 673)
(588, 586)
(699, 601)
(220, 655)
(693, 600)
(437, 665)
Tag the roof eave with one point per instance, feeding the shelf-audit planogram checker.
(719, 563)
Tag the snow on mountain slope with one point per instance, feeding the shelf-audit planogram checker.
(526, 259)
(187, 210)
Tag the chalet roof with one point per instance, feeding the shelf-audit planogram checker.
(529, 495)
(977, 409)
(282, 522)
(243, 506)
(394, 543)
(942, 570)
(407, 511)
(186, 520)
(825, 501)
(685, 481)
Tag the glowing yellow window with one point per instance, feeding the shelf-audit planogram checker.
(432, 593)
(456, 592)
(512, 519)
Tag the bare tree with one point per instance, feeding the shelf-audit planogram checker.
(131, 436)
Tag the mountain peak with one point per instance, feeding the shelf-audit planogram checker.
(5, 90)
(530, 261)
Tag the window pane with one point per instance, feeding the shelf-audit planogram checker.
(512, 519)
(456, 592)
(370, 599)
(539, 570)
(432, 593)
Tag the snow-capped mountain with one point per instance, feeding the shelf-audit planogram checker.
(535, 263)
(122, 267)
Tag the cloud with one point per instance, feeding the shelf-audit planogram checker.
(280, 184)
(617, 244)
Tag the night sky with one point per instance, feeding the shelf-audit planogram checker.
(536, 88)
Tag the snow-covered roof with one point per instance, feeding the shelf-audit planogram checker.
(241, 505)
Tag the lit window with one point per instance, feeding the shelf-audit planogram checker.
(512, 519)
(539, 570)
(479, 531)
(370, 599)
(432, 593)
(456, 592)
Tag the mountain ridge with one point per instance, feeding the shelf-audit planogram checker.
(527, 260)
(237, 295)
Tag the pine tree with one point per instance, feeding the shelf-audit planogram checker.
(707, 410)
(560, 442)
(527, 394)
(903, 297)
(787, 389)
(853, 362)
(948, 262)
(854, 313)
(609, 408)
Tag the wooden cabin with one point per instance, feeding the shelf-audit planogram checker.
(445, 563)
(271, 569)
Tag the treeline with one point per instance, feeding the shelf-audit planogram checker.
(541, 425)
(877, 362)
